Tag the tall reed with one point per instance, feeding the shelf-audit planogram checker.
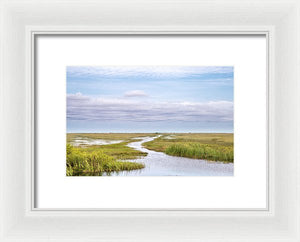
(80, 162)
(202, 151)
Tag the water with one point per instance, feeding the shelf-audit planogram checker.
(160, 164)
(82, 141)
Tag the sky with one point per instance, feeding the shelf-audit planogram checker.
(149, 99)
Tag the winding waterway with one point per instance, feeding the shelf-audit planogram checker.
(160, 164)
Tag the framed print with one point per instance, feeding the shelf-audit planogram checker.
(149, 121)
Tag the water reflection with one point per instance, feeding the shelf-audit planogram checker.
(86, 142)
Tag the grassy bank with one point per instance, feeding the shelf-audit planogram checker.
(214, 147)
(96, 159)
(93, 161)
(119, 151)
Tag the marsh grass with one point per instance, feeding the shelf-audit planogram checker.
(208, 146)
(119, 151)
(81, 161)
(202, 151)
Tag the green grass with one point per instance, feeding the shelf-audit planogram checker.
(83, 161)
(119, 151)
(208, 146)
(96, 159)
(202, 151)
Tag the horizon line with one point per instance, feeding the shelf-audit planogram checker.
(149, 132)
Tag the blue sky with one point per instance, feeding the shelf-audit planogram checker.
(149, 99)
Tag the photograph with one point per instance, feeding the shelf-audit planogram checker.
(149, 120)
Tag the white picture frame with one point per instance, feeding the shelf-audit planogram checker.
(21, 20)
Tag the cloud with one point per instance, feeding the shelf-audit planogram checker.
(80, 107)
(135, 93)
(144, 71)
